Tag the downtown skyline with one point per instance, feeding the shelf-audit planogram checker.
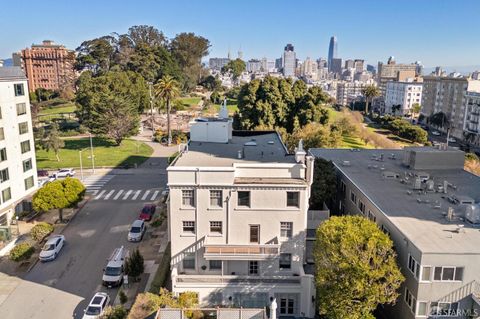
(259, 31)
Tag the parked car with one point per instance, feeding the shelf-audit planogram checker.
(147, 212)
(64, 172)
(52, 248)
(452, 140)
(44, 180)
(115, 269)
(137, 230)
(97, 306)
(436, 133)
(42, 173)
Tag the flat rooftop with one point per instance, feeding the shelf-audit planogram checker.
(10, 73)
(419, 216)
(268, 148)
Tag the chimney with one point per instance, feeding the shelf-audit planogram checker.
(300, 153)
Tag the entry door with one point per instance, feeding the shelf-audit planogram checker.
(255, 234)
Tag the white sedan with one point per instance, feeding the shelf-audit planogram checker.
(64, 172)
(52, 248)
(436, 133)
(97, 306)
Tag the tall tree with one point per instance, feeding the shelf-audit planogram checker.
(189, 49)
(324, 186)
(168, 90)
(152, 63)
(97, 55)
(356, 268)
(416, 108)
(235, 67)
(51, 140)
(370, 92)
(146, 35)
(442, 121)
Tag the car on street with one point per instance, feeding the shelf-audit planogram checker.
(64, 172)
(97, 306)
(115, 269)
(147, 212)
(137, 230)
(42, 173)
(52, 248)
(436, 133)
(45, 180)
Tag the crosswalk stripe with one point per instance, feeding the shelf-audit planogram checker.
(95, 192)
(144, 197)
(100, 195)
(154, 195)
(136, 195)
(109, 194)
(118, 194)
(127, 194)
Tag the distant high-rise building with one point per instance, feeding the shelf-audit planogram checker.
(289, 61)
(371, 68)
(322, 63)
(349, 64)
(332, 51)
(336, 66)
(254, 65)
(48, 65)
(217, 63)
(359, 65)
(278, 64)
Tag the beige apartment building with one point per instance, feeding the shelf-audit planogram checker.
(47, 65)
(392, 71)
(238, 218)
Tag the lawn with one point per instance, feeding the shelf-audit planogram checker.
(106, 154)
(232, 107)
(353, 142)
(189, 102)
(67, 108)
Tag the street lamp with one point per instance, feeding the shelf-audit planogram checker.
(81, 166)
(91, 153)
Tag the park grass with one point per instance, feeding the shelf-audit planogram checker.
(106, 154)
(190, 102)
(66, 108)
(354, 142)
(232, 107)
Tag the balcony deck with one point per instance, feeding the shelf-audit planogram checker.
(241, 252)
(240, 280)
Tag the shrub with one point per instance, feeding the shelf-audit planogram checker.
(123, 297)
(115, 312)
(41, 230)
(177, 136)
(135, 266)
(22, 251)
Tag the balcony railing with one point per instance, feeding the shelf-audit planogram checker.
(208, 279)
(241, 252)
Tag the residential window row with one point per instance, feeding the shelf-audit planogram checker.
(284, 262)
(21, 108)
(25, 146)
(243, 198)
(4, 176)
(18, 89)
(434, 273)
(27, 165)
(6, 194)
(28, 182)
(23, 128)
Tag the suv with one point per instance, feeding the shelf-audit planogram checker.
(115, 269)
(147, 212)
(137, 230)
(64, 172)
(97, 306)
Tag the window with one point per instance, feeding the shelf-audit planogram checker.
(23, 128)
(189, 261)
(215, 265)
(353, 197)
(443, 309)
(422, 308)
(4, 175)
(21, 108)
(410, 300)
(189, 227)
(361, 206)
(6, 194)
(244, 198)
(286, 229)
(414, 266)
(25, 146)
(2, 134)
(372, 216)
(253, 267)
(426, 273)
(3, 154)
(28, 182)
(18, 88)
(293, 199)
(448, 274)
(187, 198)
(255, 234)
(216, 227)
(285, 261)
(27, 165)
(216, 198)
(343, 187)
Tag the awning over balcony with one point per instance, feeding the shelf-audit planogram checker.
(241, 252)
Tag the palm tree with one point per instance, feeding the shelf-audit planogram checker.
(370, 92)
(442, 121)
(167, 89)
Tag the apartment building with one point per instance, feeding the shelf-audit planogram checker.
(18, 172)
(48, 65)
(448, 95)
(404, 95)
(472, 117)
(392, 71)
(429, 205)
(238, 218)
(348, 92)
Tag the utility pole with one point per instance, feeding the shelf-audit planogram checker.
(81, 166)
(91, 153)
(151, 106)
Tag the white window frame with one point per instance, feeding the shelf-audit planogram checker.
(192, 198)
(184, 225)
(441, 275)
(421, 273)
(256, 267)
(216, 224)
(288, 229)
(426, 309)
(297, 194)
(416, 266)
(218, 198)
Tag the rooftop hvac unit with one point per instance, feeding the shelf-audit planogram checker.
(417, 184)
(346, 163)
(430, 186)
(472, 214)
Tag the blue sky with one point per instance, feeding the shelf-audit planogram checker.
(436, 32)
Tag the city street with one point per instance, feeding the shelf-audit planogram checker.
(62, 288)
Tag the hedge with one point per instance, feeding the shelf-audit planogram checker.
(40, 231)
(22, 251)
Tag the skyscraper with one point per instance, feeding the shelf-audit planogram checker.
(289, 61)
(332, 51)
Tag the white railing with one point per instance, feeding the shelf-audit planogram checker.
(242, 250)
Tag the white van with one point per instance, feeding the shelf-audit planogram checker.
(114, 271)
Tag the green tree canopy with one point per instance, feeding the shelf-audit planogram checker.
(235, 67)
(51, 140)
(370, 92)
(324, 186)
(356, 268)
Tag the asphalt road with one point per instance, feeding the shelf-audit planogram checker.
(63, 288)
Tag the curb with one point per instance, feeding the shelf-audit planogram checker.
(61, 231)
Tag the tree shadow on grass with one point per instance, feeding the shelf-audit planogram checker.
(83, 143)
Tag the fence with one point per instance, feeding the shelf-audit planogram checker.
(212, 313)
